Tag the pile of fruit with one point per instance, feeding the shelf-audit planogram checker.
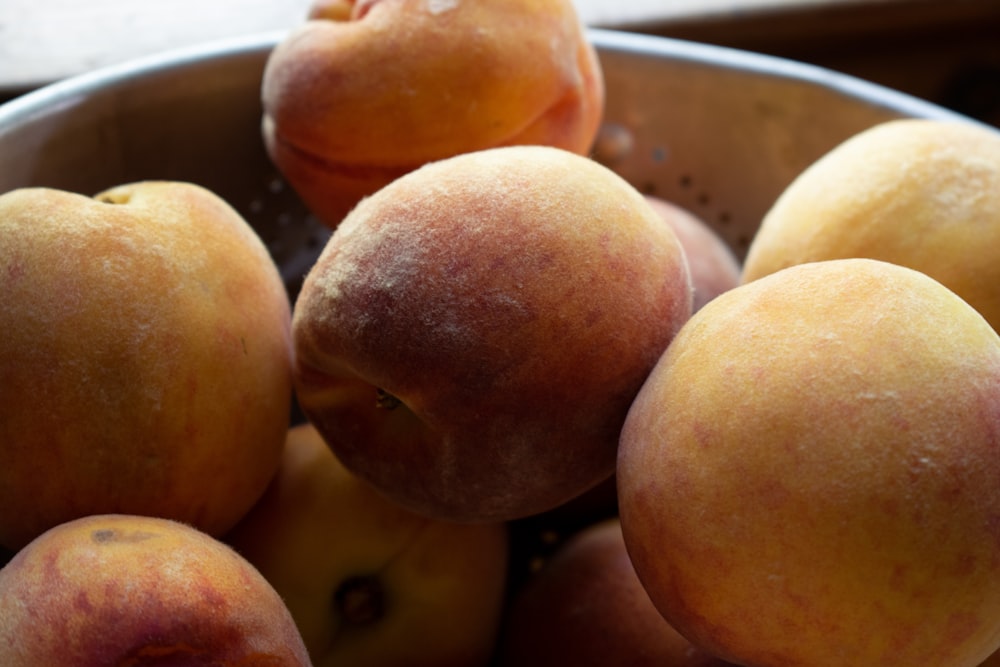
(519, 413)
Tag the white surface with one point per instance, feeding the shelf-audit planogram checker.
(45, 40)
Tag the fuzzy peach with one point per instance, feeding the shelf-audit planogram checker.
(472, 335)
(365, 91)
(811, 474)
(145, 358)
(917, 192)
(130, 590)
(368, 582)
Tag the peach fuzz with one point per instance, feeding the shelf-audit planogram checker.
(921, 193)
(472, 335)
(145, 358)
(129, 590)
(811, 474)
(352, 102)
(368, 582)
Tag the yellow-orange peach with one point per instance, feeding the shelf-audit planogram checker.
(130, 590)
(921, 193)
(145, 358)
(811, 474)
(472, 335)
(365, 91)
(368, 582)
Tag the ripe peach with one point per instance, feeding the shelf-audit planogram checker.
(472, 335)
(145, 358)
(368, 582)
(130, 590)
(367, 90)
(586, 606)
(916, 192)
(714, 267)
(811, 474)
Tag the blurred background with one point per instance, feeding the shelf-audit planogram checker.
(945, 51)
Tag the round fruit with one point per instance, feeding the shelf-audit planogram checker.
(921, 193)
(367, 90)
(130, 590)
(473, 334)
(811, 474)
(145, 358)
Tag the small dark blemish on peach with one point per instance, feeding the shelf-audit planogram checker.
(103, 535)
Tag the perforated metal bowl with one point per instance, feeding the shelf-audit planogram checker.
(716, 130)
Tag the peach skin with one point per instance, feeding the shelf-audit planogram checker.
(917, 192)
(472, 335)
(145, 358)
(132, 591)
(365, 91)
(369, 583)
(810, 477)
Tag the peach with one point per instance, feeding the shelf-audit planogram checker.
(145, 358)
(368, 582)
(811, 474)
(713, 264)
(131, 590)
(921, 193)
(586, 606)
(471, 337)
(365, 91)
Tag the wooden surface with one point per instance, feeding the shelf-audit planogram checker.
(936, 49)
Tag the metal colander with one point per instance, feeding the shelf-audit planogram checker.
(716, 130)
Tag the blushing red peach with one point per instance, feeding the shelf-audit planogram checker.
(472, 335)
(130, 590)
(713, 264)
